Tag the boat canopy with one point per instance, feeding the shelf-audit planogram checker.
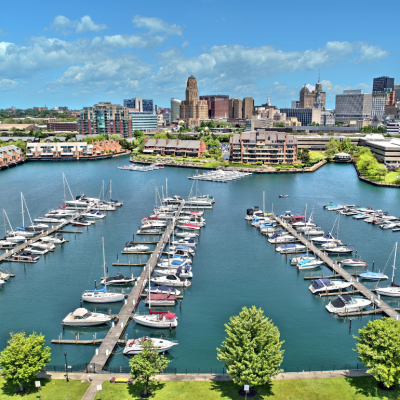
(320, 283)
(157, 312)
(341, 301)
(104, 290)
(161, 296)
(373, 275)
(288, 246)
(170, 315)
(180, 246)
(79, 312)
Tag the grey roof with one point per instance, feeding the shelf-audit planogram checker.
(9, 148)
(269, 137)
(173, 143)
(15, 138)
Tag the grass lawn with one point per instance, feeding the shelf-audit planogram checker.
(55, 389)
(316, 156)
(389, 178)
(304, 389)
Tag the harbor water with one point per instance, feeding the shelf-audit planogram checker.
(234, 265)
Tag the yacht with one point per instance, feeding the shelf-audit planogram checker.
(4, 276)
(287, 215)
(187, 234)
(135, 346)
(102, 296)
(81, 222)
(162, 290)
(188, 242)
(389, 225)
(174, 262)
(393, 290)
(94, 214)
(5, 244)
(15, 238)
(83, 317)
(345, 304)
(25, 256)
(183, 272)
(324, 239)
(189, 227)
(192, 212)
(118, 279)
(339, 250)
(171, 280)
(282, 239)
(129, 246)
(36, 250)
(291, 248)
(351, 262)
(157, 319)
(324, 285)
(296, 260)
(187, 249)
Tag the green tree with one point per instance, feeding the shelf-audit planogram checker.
(24, 358)
(146, 364)
(305, 156)
(332, 147)
(378, 348)
(138, 134)
(251, 352)
(346, 145)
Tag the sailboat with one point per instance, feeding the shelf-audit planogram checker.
(116, 203)
(393, 290)
(13, 236)
(158, 319)
(102, 296)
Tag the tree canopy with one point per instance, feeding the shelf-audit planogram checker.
(378, 347)
(368, 165)
(24, 358)
(251, 352)
(146, 364)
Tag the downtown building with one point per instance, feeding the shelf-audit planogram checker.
(241, 109)
(192, 110)
(353, 105)
(269, 147)
(105, 119)
(218, 106)
(175, 109)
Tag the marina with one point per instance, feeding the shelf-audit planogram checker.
(220, 176)
(225, 246)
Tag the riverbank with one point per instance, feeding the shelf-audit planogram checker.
(363, 178)
(83, 158)
(255, 169)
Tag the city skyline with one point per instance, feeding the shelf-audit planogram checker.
(80, 54)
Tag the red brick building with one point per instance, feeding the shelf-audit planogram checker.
(63, 126)
(218, 106)
(175, 147)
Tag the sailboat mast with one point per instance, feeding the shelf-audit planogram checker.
(110, 189)
(27, 210)
(264, 203)
(104, 261)
(148, 266)
(394, 263)
(4, 216)
(166, 187)
(22, 208)
(64, 187)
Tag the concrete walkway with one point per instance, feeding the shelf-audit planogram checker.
(98, 379)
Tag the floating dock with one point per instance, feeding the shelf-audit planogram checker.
(114, 335)
(333, 265)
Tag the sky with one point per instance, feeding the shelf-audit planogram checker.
(76, 54)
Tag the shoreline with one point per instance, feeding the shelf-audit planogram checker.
(362, 178)
(314, 168)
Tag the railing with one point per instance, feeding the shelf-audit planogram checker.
(95, 368)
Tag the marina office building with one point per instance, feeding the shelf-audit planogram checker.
(264, 146)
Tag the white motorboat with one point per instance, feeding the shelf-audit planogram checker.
(5, 244)
(324, 239)
(173, 249)
(118, 279)
(130, 247)
(287, 215)
(310, 231)
(324, 285)
(157, 319)
(346, 304)
(36, 250)
(309, 263)
(81, 222)
(160, 300)
(186, 234)
(360, 216)
(162, 290)
(282, 239)
(189, 227)
(373, 276)
(4, 276)
(22, 232)
(291, 248)
(189, 242)
(135, 346)
(25, 256)
(331, 245)
(102, 296)
(351, 262)
(183, 272)
(390, 225)
(1, 281)
(94, 214)
(48, 220)
(339, 250)
(174, 262)
(15, 238)
(56, 238)
(171, 280)
(83, 317)
(296, 260)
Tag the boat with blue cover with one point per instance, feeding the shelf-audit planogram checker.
(162, 290)
(291, 248)
(373, 276)
(324, 285)
(309, 263)
(329, 237)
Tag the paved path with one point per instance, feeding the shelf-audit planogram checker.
(98, 379)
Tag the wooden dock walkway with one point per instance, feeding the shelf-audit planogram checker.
(29, 241)
(333, 265)
(100, 359)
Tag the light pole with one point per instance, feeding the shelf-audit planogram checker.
(66, 365)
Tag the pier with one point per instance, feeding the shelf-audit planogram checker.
(339, 271)
(6, 257)
(114, 335)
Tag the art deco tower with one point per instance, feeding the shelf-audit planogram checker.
(192, 109)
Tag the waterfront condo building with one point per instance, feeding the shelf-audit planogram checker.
(175, 147)
(10, 155)
(105, 118)
(269, 147)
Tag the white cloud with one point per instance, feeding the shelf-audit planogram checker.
(65, 26)
(6, 84)
(156, 25)
(87, 24)
(370, 54)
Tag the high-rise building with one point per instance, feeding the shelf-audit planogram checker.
(382, 83)
(218, 106)
(304, 115)
(397, 92)
(105, 119)
(143, 121)
(308, 95)
(353, 105)
(295, 104)
(136, 103)
(148, 106)
(192, 109)
(235, 108)
(175, 109)
(248, 107)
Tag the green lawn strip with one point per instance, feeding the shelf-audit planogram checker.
(51, 389)
(302, 389)
(316, 156)
(389, 178)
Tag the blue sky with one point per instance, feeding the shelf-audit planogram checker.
(78, 53)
